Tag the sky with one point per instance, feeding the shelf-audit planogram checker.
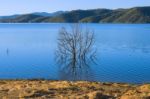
(9, 7)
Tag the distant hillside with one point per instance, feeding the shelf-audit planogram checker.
(132, 15)
(48, 14)
(7, 17)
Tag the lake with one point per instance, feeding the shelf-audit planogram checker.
(123, 52)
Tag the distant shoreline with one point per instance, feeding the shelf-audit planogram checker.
(130, 15)
(85, 23)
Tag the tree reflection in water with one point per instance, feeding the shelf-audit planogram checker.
(75, 53)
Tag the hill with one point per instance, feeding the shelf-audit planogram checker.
(132, 15)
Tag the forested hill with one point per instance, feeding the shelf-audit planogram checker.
(132, 15)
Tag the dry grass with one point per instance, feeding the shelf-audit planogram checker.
(42, 89)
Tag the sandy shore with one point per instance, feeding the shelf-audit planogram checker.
(42, 89)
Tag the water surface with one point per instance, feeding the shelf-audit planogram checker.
(27, 51)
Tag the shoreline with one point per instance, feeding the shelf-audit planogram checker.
(45, 89)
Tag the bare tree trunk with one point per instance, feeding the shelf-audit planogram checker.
(75, 49)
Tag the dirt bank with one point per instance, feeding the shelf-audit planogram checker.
(41, 89)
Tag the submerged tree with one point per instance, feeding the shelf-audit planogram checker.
(75, 51)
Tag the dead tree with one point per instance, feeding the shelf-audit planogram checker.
(75, 51)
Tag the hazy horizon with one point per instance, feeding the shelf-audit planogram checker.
(29, 6)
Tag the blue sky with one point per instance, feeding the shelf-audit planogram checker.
(8, 7)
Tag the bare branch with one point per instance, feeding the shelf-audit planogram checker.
(75, 50)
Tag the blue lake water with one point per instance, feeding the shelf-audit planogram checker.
(123, 52)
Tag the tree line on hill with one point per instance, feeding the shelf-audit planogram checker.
(131, 15)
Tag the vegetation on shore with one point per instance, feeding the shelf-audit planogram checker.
(132, 15)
